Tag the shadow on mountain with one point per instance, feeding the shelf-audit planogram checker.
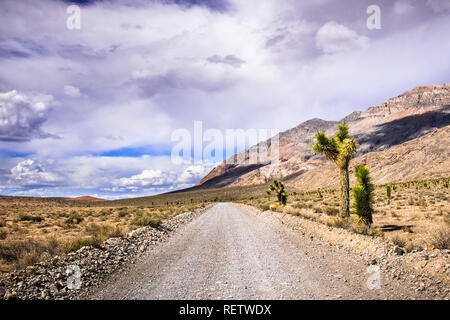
(408, 128)
(226, 179)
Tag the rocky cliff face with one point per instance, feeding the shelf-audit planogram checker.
(409, 116)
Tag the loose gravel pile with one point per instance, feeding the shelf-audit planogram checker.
(69, 276)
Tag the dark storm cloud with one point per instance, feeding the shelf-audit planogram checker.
(215, 5)
(22, 116)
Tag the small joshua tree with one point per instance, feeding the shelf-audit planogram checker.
(278, 187)
(388, 192)
(363, 195)
(340, 150)
(268, 194)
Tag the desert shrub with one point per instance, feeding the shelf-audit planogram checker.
(99, 233)
(74, 218)
(364, 229)
(439, 236)
(22, 253)
(105, 212)
(298, 205)
(331, 211)
(398, 240)
(81, 242)
(264, 206)
(123, 212)
(3, 234)
(27, 217)
(338, 222)
(307, 214)
(147, 219)
(318, 209)
(363, 195)
(291, 210)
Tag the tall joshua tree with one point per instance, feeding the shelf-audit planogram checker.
(338, 149)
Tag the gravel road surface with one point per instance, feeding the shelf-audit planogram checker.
(230, 253)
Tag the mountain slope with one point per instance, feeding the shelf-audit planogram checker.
(424, 157)
(409, 116)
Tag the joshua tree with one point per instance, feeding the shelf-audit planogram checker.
(388, 193)
(278, 187)
(268, 193)
(339, 149)
(363, 195)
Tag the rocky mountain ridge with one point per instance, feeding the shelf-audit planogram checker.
(406, 117)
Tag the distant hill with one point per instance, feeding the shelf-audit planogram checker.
(86, 198)
(394, 123)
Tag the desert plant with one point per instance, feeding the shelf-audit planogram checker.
(439, 237)
(74, 218)
(3, 234)
(268, 192)
(147, 219)
(278, 187)
(27, 217)
(388, 192)
(22, 253)
(363, 195)
(340, 150)
(331, 211)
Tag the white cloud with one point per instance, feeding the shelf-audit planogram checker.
(72, 91)
(22, 115)
(333, 37)
(31, 172)
(194, 173)
(180, 178)
(113, 176)
(146, 178)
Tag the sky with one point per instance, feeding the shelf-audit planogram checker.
(92, 110)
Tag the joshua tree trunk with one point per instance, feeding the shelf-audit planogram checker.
(344, 208)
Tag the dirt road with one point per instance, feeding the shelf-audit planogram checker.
(231, 253)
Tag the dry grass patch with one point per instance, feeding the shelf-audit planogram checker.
(21, 253)
(26, 224)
